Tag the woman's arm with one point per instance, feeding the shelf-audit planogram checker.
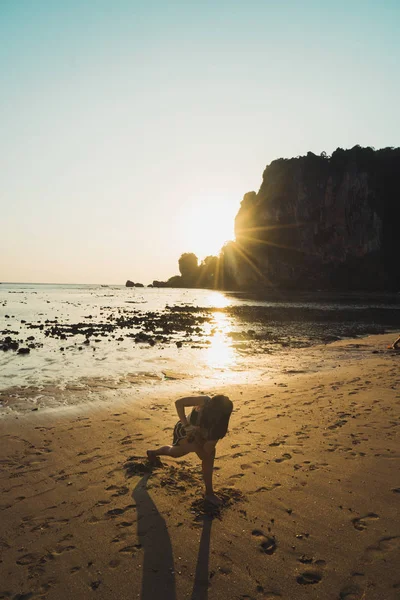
(181, 403)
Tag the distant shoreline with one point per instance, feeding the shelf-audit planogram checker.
(252, 292)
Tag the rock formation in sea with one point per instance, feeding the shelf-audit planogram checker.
(320, 222)
(193, 275)
(130, 283)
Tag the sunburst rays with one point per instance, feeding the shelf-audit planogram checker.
(241, 255)
(242, 235)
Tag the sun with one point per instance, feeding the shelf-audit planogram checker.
(208, 223)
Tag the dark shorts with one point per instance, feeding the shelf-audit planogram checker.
(180, 434)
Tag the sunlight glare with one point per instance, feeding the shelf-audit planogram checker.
(207, 223)
(220, 354)
(217, 300)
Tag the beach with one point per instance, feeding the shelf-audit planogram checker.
(308, 474)
(200, 213)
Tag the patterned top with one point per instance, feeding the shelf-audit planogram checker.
(180, 431)
(196, 412)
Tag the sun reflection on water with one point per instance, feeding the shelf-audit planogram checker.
(220, 354)
(217, 300)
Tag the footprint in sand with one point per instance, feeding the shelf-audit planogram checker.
(119, 491)
(268, 544)
(360, 523)
(75, 569)
(338, 424)
(60, 550)
(385, 545)
(308, 560)
(284, 457)
(86, 452)
(95, 584)
(125, 524)
(351, 592)
(115, 512)
(102, 502)
(265, 488)
(309, 578)
(89, 460)
(130, 549)
(114, 563)
(28, 559)
(239, 454)
(126, 441)
(120, 538)
(246, 466)
(93, 520)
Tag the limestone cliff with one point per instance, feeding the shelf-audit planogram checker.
(321, 222)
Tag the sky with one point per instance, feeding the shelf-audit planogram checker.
(130, 131)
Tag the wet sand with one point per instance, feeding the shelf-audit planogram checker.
(309, 475)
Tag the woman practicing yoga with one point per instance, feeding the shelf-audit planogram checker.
(207, 423)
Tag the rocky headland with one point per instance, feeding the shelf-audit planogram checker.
(326, 222)
(317, 222)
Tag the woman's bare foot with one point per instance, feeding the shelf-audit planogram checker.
(152, 456)
(213, 499)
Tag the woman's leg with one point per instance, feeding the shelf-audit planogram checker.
(207, 466)
(184, 447)
(174, 451)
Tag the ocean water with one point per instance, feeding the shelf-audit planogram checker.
(81, 338)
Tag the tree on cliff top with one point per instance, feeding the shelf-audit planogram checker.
(207, 272)
(188, 266)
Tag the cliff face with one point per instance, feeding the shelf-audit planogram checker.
(322, 222)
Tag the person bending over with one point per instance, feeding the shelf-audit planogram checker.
(199, 433)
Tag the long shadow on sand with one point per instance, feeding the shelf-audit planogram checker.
(158, 578)
(201, 581)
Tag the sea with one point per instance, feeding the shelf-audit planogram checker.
(63, 345)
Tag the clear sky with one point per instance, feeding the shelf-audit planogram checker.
(129, 131)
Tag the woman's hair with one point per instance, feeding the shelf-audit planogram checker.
(215, 416)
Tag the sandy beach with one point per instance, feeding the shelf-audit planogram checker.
(309, 474)
(200, 212)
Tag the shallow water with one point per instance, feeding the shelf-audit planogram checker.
(94, 337)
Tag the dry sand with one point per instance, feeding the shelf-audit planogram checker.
(309, 474)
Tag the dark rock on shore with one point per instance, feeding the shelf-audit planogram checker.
(8, 344)
(256, 328)
(142, 327)
(130, 283)
(23, 351)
